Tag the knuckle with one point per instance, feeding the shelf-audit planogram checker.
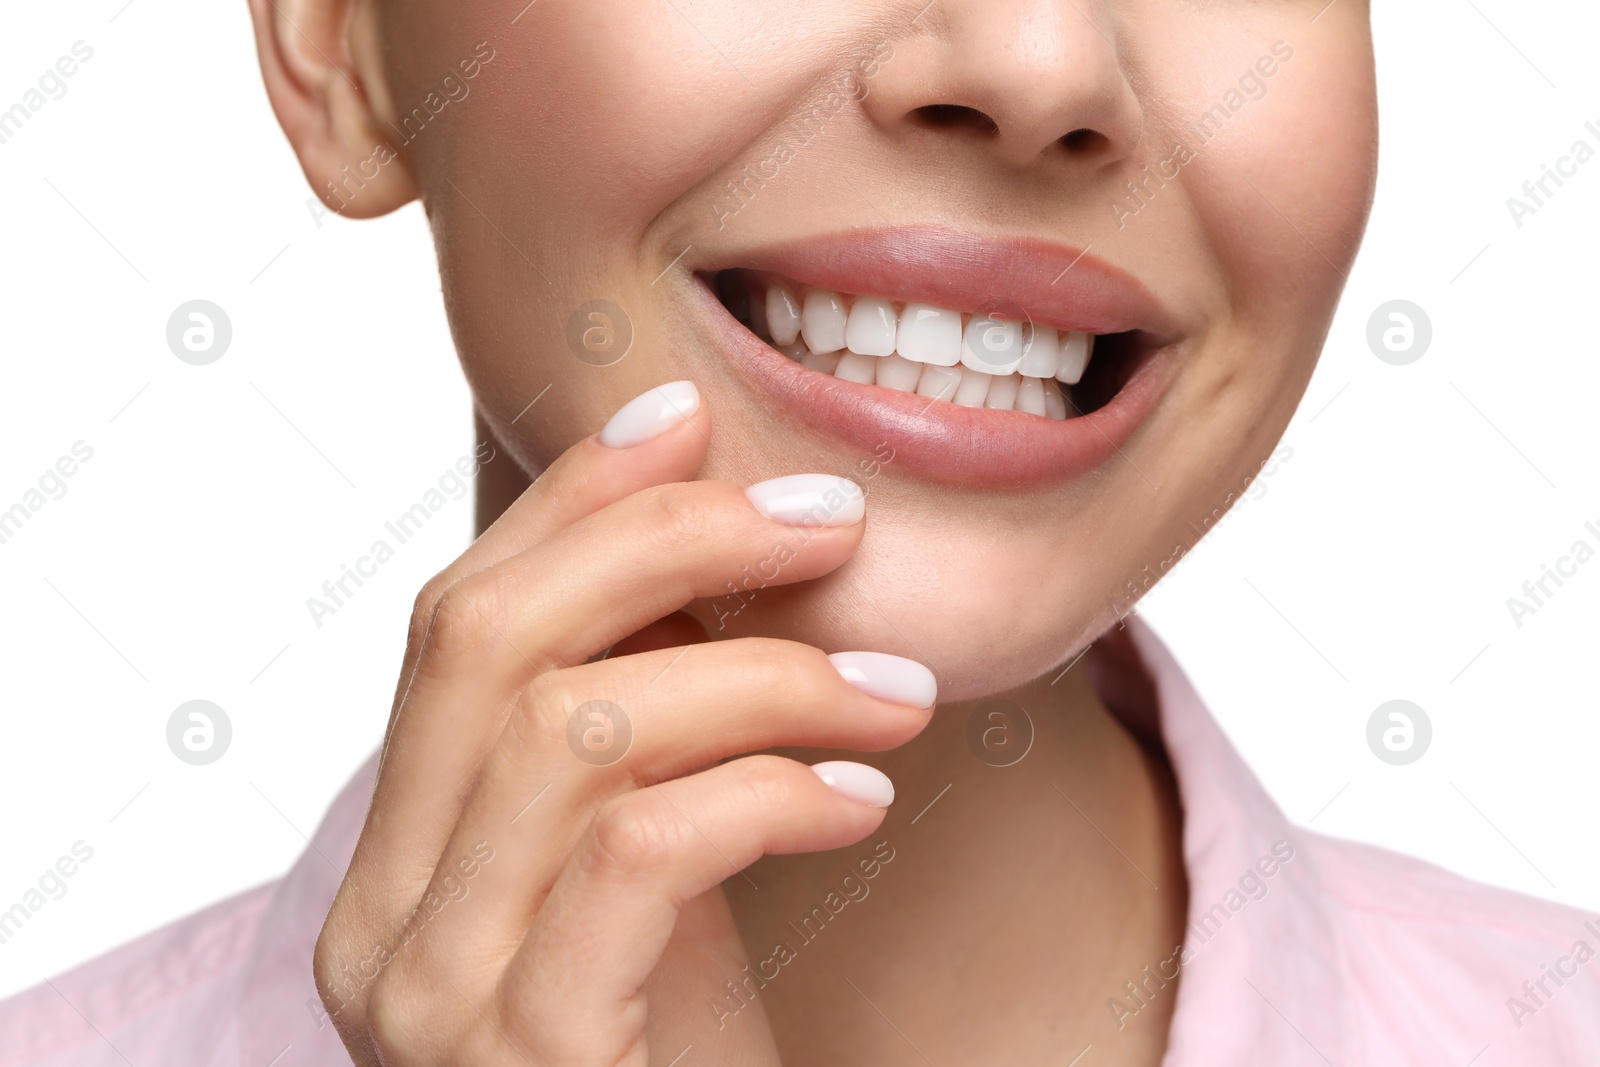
(325, 970)
(790, 667)
(636, 833)
(466, 614)
(427, 599)
(684, 515)
(391, 1021)
(540, 718)
(767, 781)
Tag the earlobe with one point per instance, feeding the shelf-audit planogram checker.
(326, 90)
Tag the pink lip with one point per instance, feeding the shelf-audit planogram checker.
(1018, 278)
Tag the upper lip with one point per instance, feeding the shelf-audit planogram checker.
(1021, 278)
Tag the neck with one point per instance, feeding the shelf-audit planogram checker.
(1023, 907)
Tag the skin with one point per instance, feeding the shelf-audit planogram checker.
(581, 165)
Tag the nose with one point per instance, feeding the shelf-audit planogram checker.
(1027, 79)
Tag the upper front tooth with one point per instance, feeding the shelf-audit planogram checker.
(1041, 352)
(1075, 349)
(930, 335)
(783, 314)
(992, 345)
(822, 321)
(871, 327)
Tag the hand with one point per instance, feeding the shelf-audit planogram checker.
(514, 898)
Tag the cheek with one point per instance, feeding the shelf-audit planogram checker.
(1286, 193)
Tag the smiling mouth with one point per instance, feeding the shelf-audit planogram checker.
(981, 359)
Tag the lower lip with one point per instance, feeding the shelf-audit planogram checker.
(964, 446)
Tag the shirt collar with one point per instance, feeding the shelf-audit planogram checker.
(1261, 966)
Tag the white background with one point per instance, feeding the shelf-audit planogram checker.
(1376, 564)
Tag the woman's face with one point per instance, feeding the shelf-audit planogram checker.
(1186, 179)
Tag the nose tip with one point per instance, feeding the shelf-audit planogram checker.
(1024, 78)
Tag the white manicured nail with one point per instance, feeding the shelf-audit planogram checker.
(809, 500)
(857, 781)
(651, 414)
(892, 678)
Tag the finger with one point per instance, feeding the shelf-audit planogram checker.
(677, 629)
(556, 603)
(589, 733)
(659, 436)
(605, 924)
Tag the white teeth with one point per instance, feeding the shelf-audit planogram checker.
(1075, 350)
(1003, 393)
(938, 382)
(870, 329)
(783, 314)
(821, 361)
(930, 335)
(1055, 405)
(898, 372)
(988, 362)
(973, 389)
(991, 345)
(855, 367)
(822, 321)
(1041, 352)
(1030, 396)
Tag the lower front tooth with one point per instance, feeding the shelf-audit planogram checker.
(898, 372)
(1030, 396)
(1055, 405)
(854, 367)
(821, 361)
(973, 389)
(940, 382)
(1002, 393)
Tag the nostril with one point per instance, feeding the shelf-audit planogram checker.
(949, 115)
(1084, 140)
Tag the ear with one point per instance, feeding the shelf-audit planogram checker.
(319, 59)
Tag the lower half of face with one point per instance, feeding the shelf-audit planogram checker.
(1047, 279)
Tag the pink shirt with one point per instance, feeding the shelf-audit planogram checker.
(1301, 950)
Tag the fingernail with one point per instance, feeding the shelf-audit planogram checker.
(892, 678)
(809, 500)
(857, 781)
(650, 414)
